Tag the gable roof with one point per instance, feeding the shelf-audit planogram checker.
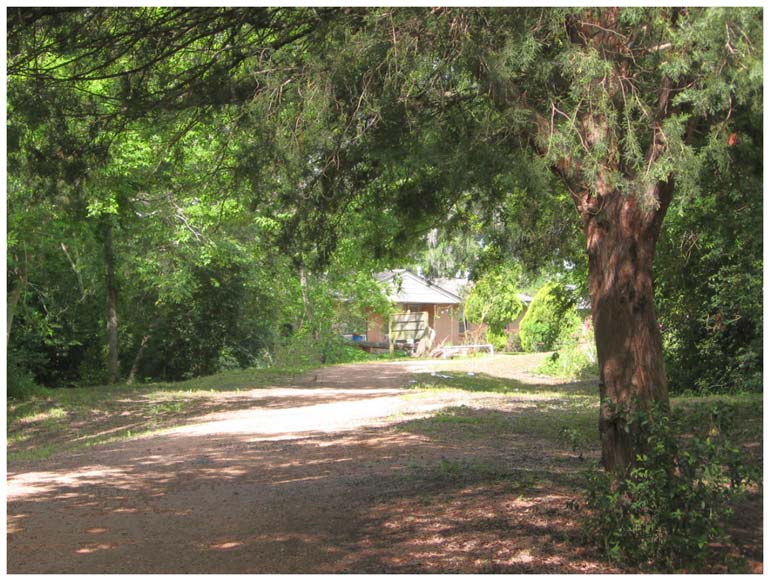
(416, 289)
(458, 286)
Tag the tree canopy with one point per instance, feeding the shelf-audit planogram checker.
(178, 157)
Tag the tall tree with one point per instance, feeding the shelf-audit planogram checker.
(622, 105)
(420, 114)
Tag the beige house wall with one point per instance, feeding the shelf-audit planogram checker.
(447, 325)
(375, 328)
(442, 318)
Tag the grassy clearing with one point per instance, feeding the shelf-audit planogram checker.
(564, 414)
(73, 418)
(480, 382)
(564, 424)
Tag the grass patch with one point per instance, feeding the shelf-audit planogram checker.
(744, 410)
(564, 424)
(73, 418)
(480, 382)
(463, 421)
(572, 362)
(566, 415)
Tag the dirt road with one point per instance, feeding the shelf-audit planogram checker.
(323, 477)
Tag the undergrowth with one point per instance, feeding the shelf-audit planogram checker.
(669, 509)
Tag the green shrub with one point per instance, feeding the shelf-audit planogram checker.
(668, 508)
(494, 299)
(227, 360)
(545, 319)
(302, 350)
(498, 339)
(397, 354)
(576, 359)
(712, 311)
(340, 350)
(21, 383)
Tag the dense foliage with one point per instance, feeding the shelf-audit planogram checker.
(667, 511)
(709, 274)
(189, 188)
(494, 301)
(547, 316)
(576, 356)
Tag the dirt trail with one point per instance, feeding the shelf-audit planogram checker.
(316, 478)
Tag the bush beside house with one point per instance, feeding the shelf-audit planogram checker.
(546, 317)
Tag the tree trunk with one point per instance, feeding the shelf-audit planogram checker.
(137, 360)
(113, 369)
(303, 283)
(13, 301)
(621, 238)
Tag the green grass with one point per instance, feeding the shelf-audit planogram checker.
(743, 409)
(74, 418)
(566, 415)
(463, 420)
(480, 382)
(561, 422)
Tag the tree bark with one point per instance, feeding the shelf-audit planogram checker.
(303, 284)
(13, 301)
(113, 367)
(137, 360)
(621, 236)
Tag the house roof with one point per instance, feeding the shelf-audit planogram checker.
(457, 286)
(407, 287)
(413, 288)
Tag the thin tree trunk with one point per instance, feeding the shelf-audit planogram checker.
(113, 368)
(13, 301)
(306, 300)
(621, 238)
(137, 360)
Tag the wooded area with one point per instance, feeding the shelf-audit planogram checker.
(199, 191)
(188, 188)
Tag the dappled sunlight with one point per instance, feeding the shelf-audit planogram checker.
(489, 529)
(96, 530)
(518, 367)
(14, 524)
(324, 480)
(328, 417)
(92, 548)
(51, 414)
(294, 459)
(157, 484)
(226, 545)
(37, 483)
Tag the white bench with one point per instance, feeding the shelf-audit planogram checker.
(449, 350)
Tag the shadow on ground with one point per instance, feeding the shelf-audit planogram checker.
(370, 500)
(342, 483)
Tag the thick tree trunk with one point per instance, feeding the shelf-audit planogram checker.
(113, 369)
(621, 238)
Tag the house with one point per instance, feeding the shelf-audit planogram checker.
(427, 308)
(413, 294)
